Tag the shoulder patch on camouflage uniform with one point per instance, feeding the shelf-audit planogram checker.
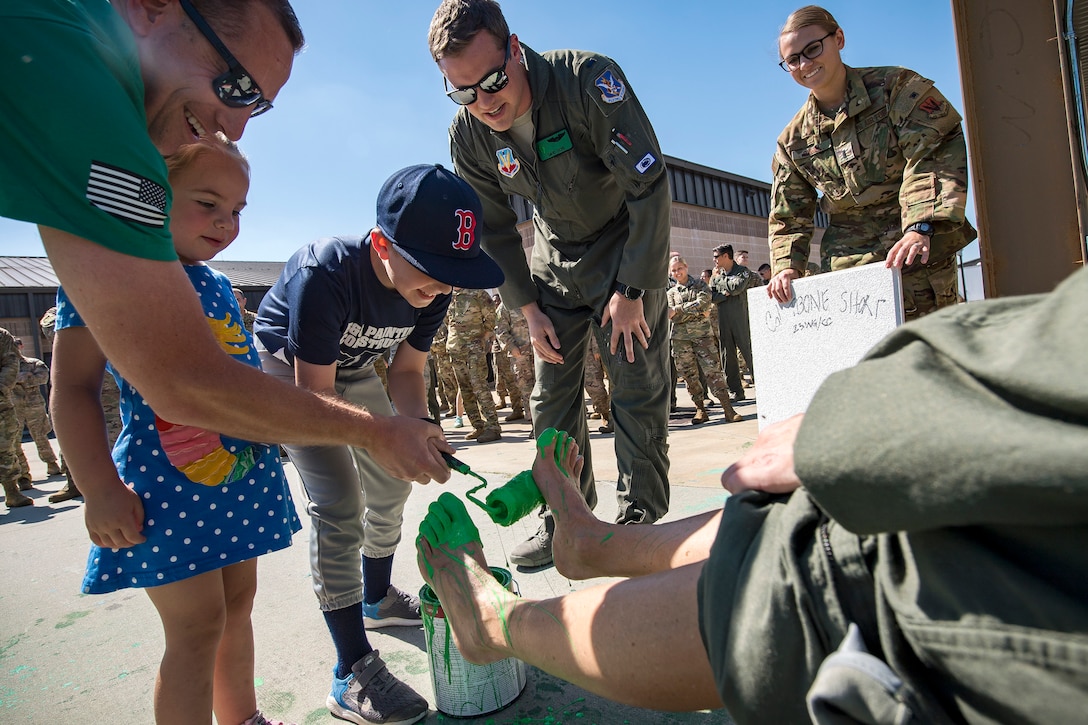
(934, 107)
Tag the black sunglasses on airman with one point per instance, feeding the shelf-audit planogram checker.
(493, 82)
(812, 51)
(236, 87)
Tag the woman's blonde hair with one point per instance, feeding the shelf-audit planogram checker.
(810, 15)
(187, 154)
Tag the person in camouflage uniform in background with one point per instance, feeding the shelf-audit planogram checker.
(693, 343)
(10, 430)
(505, 375)
(512, 332)
(247, 316)
(443, 370)
(111, 410)
(886, 151)
(470, 320)
(595, 385)
(30, 408)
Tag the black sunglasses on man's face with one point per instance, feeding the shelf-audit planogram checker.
(236, 87)
(493, 82)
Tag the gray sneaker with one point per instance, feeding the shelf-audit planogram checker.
(537, 551)
(371, 694)
(395, 609)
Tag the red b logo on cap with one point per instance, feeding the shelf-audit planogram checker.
(466, 229)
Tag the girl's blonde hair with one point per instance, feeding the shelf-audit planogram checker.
(810, 15)
(217, 142)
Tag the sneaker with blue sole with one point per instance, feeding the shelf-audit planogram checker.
(371, 695)
(395, 609)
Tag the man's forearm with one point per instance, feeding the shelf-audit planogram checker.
(170, 355)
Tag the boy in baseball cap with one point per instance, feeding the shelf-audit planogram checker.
(340, 303)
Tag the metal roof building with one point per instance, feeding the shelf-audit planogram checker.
(28, 287)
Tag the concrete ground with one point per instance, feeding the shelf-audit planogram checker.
(69, 657)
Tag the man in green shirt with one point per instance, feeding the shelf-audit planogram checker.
(92, 95)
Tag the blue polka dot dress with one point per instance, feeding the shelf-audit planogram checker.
(209, 500)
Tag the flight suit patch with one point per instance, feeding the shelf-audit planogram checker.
(552, 146)
(509, 166)
(645, 163)
(612, 88)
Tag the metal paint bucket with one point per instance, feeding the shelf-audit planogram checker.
(462, 689)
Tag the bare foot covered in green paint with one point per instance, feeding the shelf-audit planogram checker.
(476, 606)
(578, 533)
(447, 522)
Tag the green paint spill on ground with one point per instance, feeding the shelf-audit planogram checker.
(258, 681)
(319, 716)
(277, 702)
(10, 644)
(70, 619)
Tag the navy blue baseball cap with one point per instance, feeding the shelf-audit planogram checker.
(432, 217)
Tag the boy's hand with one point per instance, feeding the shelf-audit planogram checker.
(114, 517)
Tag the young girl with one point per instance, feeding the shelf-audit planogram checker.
(180, 511)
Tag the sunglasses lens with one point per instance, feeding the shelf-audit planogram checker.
(239, 91)
(494, 82)
(463, 96)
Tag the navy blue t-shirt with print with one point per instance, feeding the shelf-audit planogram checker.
(329, 306)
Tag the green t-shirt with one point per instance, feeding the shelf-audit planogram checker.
(76, 155)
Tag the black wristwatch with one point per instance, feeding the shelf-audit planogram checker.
(631, 293)
(922, 228)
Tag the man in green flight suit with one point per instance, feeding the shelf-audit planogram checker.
(564, 130)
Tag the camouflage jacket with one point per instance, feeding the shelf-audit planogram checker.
(892, 156)
(690, 303)
(470, 319)
(438, 343)
(33, 373)
(9, 367)
(512, 329)
(732, 287)
(596, 163)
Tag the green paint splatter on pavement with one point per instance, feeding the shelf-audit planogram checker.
(70, 619)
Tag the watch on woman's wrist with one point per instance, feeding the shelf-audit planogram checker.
(922, 228)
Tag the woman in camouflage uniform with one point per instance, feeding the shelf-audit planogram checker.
(886, 151)
(694, 346)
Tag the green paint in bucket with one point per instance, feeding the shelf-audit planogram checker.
(462, 689)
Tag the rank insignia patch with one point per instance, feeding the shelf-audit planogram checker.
(612, 88)
(509, 166)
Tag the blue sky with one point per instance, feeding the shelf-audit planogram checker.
(365, 98)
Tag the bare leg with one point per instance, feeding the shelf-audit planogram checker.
(234, 698)
(634, 641)
(193, 615)
(584, 547)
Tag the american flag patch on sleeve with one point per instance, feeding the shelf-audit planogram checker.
(126, 195)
